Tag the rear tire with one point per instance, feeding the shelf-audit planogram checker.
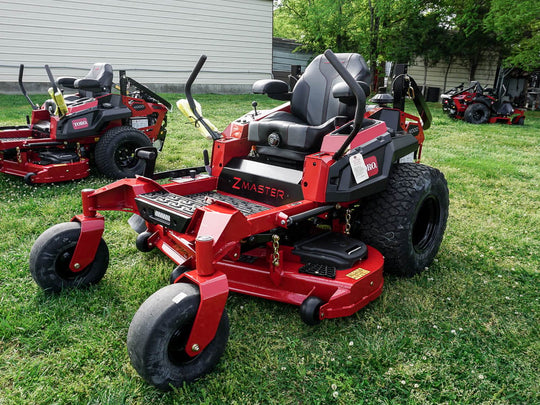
(115, 152)
(158, 334)
(51, 255)
(406, 222)
(476, 113)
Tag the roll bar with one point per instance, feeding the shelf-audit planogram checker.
(195, 72)
(360, 100)
(23, 90)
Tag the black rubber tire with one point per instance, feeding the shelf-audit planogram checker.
(142, 241)
(177, 272)
(520, 121)
(137, 223)
(158, 332)
(310, 310)
(476, 113)
(28, 178)
(115, 152)
(52, 252)
(405, 222)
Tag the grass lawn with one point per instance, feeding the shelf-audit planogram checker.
(464, 331)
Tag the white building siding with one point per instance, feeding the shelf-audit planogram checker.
(284, 55)
(457, 74)
(156, 42)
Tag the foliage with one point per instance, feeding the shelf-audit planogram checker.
(369, 27)
(437, 30)
(464, 331)
(517, 25)
(474, 41)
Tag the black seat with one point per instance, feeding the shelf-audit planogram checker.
(97, 82)
(316, 101)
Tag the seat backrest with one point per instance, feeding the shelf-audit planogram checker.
(103, 73)
(312, 99)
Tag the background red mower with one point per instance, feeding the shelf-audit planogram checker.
(304, 204)
(64, 133)
(478, 105)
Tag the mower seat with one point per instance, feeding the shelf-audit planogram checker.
(97, 82)
(318, 103)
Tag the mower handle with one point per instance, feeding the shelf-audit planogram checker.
(51, 78)
(360, 100)
(194, 73)
(23, 90)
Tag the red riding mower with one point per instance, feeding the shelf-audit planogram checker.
(479, 105)
(303, 204)
(61, 135)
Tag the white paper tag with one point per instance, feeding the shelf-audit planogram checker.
(358, 167)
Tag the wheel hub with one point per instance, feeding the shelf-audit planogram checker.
(425, 225)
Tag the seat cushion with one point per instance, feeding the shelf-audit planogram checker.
(291, 131)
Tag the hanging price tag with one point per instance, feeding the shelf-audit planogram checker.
(358, 167)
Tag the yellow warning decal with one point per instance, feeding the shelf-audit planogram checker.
(358, 273)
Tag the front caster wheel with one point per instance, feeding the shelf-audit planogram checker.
(52, 252)
(177, 272)
(29, 178)
(142, 242)
(158, 335)
(310, 310)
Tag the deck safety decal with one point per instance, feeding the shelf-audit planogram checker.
(358, 273)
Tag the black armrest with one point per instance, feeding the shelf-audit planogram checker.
(87, 84)
(66, 82)
(342, 90)
(276, 89)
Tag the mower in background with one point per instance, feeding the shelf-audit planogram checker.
(303, 204)
(478, 105)
(63, 134)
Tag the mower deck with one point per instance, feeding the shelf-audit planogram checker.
(249, 272)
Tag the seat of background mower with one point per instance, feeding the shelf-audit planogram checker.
(313, 110)
(98, 81)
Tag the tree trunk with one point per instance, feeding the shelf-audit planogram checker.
(473, 65)
(373, 43)
(446, 75)
(424, 89)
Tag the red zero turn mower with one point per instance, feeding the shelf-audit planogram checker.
(478, 105)
(303, 204)
(61, 135)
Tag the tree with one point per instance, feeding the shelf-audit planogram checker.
(317, 24)
(401, 30)
(373, 28)
(473, 41)
(517, 26)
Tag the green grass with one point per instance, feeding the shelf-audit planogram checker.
(464, 331)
